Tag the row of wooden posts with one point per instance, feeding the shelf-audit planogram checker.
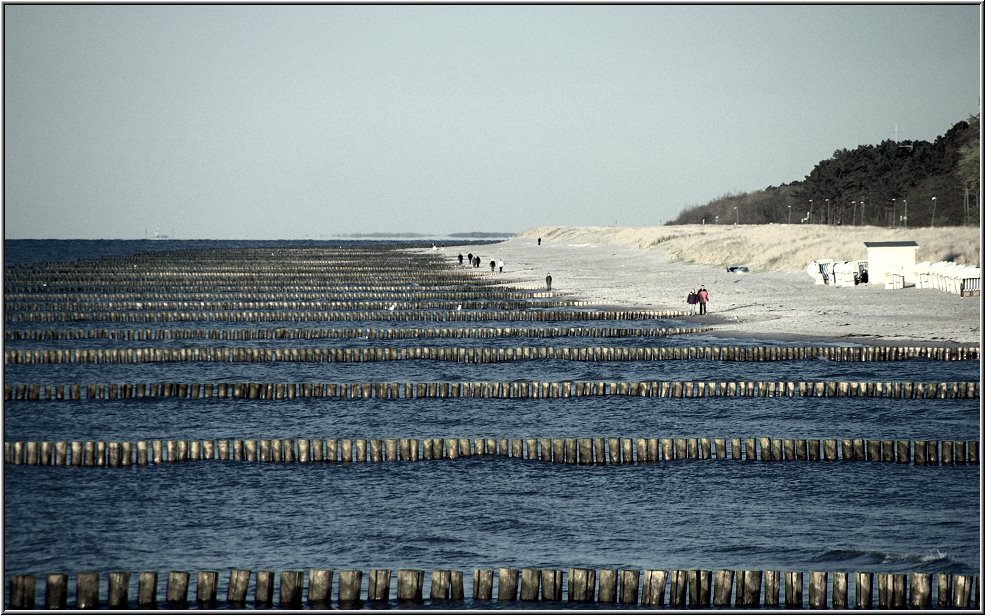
(489, 390)
(324, 304)
(20, 356)
(581, 451)
(687, 588)
(351, 316)
(387, 333)
(400, 293)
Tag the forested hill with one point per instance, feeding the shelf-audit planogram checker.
(871, 184)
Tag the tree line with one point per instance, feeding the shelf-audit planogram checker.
(892, 184)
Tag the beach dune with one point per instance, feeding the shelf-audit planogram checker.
(656, 267)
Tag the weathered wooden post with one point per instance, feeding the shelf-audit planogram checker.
(678, 589)
(581, 585)
(920, 588)
(291, 588)
(748, 588)
(207, 588)
(264, 590)
(56, 592)
(440, 584)
(793, 589)
(379, 585)
(147, 590)
(863, 590)
(839, 590)
(771, 588)
(722, 588)
(529, 584)
(350, 586)
(944, 590)
(23, 591)
(118, 593)
(319, 588)
(87, 590)
(629, 586)
(817, 590)
(239, 581)
(508, 583)
(961, 594)
(654, 582)
(176, 592)
(551, 584)
(482, 584)
(608, 584)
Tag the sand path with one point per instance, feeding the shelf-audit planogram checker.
(759, 304)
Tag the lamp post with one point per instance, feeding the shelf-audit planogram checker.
(854, 207)
(827, 216)
(810, 214)
(893, 224)
(736, 208)
(904, 213)
(861, 220)
(789, 212)
(716, 219)
(933, 210)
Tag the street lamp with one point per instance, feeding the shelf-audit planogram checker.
(854, 206)
(736, 214)
(904, 218)
(933, 211)
(894, 213)
(810, 214)
(789, 212)
(827, 216)
(716, 219)
(862, 216)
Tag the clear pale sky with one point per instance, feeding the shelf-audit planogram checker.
(289, 122)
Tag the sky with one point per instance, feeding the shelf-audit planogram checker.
(313, 121)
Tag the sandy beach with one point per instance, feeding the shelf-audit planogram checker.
(782, 305)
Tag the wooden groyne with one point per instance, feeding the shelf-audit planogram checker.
(389, 333)
(479, 355)
(649, 588)
(489, 390)
(343, 316)
(593, 450)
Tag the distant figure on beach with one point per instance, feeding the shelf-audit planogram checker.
(471, 258)
(501, 266)
(703, 300)
(492, 266)
(549, 280)
(477, 261)
(538, 241)
(692, 300)
(460, 258)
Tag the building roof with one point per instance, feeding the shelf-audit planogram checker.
(890, 244)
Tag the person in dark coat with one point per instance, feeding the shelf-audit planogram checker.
(471, 259)
(492, 266)
(692, 300)
(703, 300)
(549, 280)
(477, 260)
(460, 258)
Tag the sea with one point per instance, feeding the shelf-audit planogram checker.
(485, 512)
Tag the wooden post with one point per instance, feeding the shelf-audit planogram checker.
(319, 588)
(440, 584)
(654, 582)
(629, 586)
(176, 593)
(482, 584)
(678, 589)
(379, 585)
(23, 591)
(962, 591)
(239, 582)
(944, 590)
(551, 584)
(530, 584)
(748, 588)
(699, 588)
(581, 585)
(147, 590)
(118, 594)
(207, 588)
(264, 590)
(771, 588)
(350, 586)
(839, 590)
(920, 586)
(863, 590)
(508, 583)
(722, 588)
(87, 590)
(817, 590)
(56, 592)
(793, 589)
(291, 589)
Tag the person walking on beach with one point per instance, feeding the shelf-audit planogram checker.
(477, 261)
(492, 266)
(549, 280)
(692, 300)
(501, 266)
(538, 241)
(471, 258)
(703, 300)
(460, 258)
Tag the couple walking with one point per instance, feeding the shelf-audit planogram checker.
(699, 298)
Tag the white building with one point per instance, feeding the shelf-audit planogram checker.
(891, 262)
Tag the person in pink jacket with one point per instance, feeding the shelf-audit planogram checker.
(703, 300)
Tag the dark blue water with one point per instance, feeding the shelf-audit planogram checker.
(484, 512)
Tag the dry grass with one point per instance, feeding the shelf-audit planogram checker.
(773, 247)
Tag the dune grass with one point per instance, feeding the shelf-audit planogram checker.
(773, 247)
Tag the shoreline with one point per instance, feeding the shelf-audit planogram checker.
(777, 306)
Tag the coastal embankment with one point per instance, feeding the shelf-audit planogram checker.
(656, 267)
